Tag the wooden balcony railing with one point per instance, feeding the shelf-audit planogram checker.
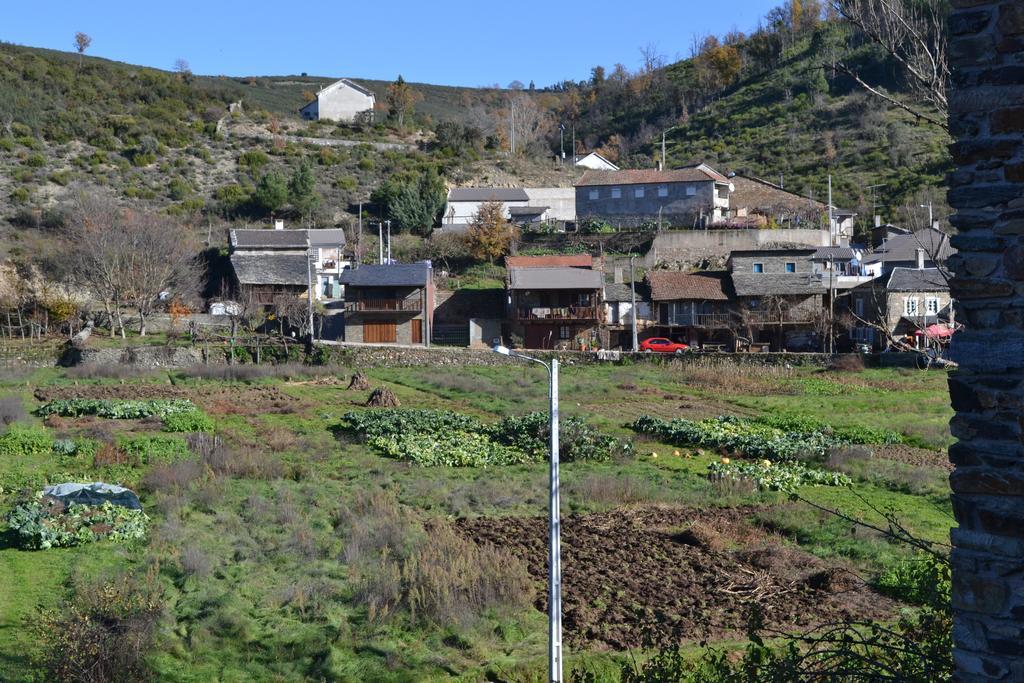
(385, 305)
(723, 320)
(556, 313)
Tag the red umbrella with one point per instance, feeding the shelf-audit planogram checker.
(937, 331)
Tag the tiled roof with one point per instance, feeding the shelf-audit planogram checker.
(621, 291)
(327, 237)
(270, 269)
(268, 239)
(834, 254)
(780, 284)
(652, 176)
(553, 261)
(760, 195)
(904, 247)
(487, 194)
(388, 275)
(555, 278)
(914, 280)
(668, 285)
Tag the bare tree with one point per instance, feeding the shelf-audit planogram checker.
(82, 43)
(181, 66)
(912, 32)
(529, 120)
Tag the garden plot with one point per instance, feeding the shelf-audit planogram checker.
(220, 399)
(698, 570)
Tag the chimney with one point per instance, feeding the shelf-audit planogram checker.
(920, 258)
(618, 275)
(878, 221)
(278, 224)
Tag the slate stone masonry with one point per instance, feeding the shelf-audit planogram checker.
(987, 191)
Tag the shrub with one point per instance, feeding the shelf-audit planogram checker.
(171, 477)
(25, 440)
(920, 580)
(849, 362)
(154, 449)
(11, 410)
(46, 522)
(190, 421)
(115, 409)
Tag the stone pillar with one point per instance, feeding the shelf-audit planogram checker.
(987, 192)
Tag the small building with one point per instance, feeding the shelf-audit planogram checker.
(691, 197)
(554, 301)
(619, 313)
(522, 205)
(271, 263)
(912, 305)
(754, 198)
(595, 162)
(883, 232)
(389, 303)
(344, 100)
(695, 308)
(779, 298)
(926, 248)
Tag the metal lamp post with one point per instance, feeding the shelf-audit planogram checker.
(554, 523)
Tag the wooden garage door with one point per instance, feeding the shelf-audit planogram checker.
(379, 332)
(417, 331)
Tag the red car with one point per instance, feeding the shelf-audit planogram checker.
(662, 345)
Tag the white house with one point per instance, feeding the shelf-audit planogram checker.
(596, 162)
(342, 100)
(522, 205)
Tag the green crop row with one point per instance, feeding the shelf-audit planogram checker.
(783, 476)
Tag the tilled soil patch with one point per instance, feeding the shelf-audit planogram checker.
(243, 400)
(914, 456)
(698, 572)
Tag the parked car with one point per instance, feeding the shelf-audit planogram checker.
(663, 345)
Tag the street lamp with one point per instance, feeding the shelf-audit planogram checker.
(554, 523)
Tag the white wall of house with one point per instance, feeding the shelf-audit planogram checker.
(561, 201)
(461, 213)
(340, 101)
(621, 312)
(596, 162)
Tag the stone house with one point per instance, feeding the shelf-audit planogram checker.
(554, 302)
(779, 298)
(695, 196)
(267, 264)
(926, 248)
(619, 313)
(911, 304)
(759, 202)
(344, 100)
(695, 308)
(389, 303)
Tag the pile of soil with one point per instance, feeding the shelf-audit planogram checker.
(631, 570)
(244, 400)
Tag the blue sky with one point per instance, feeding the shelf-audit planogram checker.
(447, 42)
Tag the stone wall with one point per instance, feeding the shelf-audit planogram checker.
(687, 247)
(987, 191)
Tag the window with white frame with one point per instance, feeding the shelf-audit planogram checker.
(638, 193)
(662, 190)
(564, 332)
(691, 190)
(931, 305)
(594, 194)
(616, 193)
(910, 306)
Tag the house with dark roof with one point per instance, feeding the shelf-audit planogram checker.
(554, 306)
(619, 313)
(279, 262)
(926, 248)
(695, 308)
(779, 297)
(694, 196)
(343, 100)
(909, 306)
(391, 303)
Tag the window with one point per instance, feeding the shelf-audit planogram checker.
(790, 267)
(691, 190)
(638, 193)
(858, 307)
(616, 193)
(662, 190)
(910, 305)
(758, 267)
(564, 332)
(594, 194)
(931, 306)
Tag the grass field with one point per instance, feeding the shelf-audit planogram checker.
(256, 555)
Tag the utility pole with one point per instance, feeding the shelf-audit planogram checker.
(874, 203)
(512, 126)
(832, 227)
(663, 150)
(380, 243)
(574, 159)
(632, 296)
(388, 223)
(561, 142)
(309, 286)
(831, 304)
(931, 220)
(359, 239)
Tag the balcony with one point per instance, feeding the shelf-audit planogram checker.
(384, 306)
(709, 320)
(726, 320)
(556, 313)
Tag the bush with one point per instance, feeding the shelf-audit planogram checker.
(154, 449)
(920, 580)
(47, 523)
(190, 421)
(25, 440)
